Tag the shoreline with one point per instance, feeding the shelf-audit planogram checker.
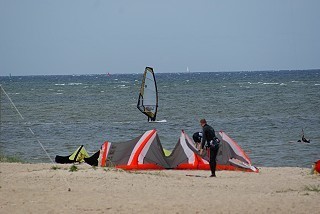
(44, 188)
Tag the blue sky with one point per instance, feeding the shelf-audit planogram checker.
(124, 36)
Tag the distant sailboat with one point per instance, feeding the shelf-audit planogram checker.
(188, 71)
(148, 96)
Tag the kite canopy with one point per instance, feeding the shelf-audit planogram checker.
(77, 156)
(146, 152)
(317, 166)
(143, 152)
(230, 156)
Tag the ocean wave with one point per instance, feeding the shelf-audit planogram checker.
(270, 83)
(71, 83)
(75, 83)
(121, 86)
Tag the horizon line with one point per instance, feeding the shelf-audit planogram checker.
(168, 72)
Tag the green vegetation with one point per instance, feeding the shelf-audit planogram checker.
(309, 188)
(286, 190)
(312, 188)
(155, 173)
(73, 168)
(113, 169)
(55, 167)
(10, 159)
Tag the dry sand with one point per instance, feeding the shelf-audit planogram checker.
(39, 188)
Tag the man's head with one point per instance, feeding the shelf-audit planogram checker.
(203, 122)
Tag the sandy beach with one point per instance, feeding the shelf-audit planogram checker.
(48, 188)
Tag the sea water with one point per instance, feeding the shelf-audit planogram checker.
(261, 110)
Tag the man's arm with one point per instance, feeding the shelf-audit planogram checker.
(204, 139)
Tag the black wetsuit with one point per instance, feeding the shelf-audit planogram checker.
(304, 139)
(197, 136)
(151, 119)
(208, 134)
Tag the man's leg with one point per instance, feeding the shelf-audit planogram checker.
(213, 161)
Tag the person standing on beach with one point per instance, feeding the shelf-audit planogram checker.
(209, 140)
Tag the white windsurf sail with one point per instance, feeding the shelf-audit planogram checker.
(148, 96)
